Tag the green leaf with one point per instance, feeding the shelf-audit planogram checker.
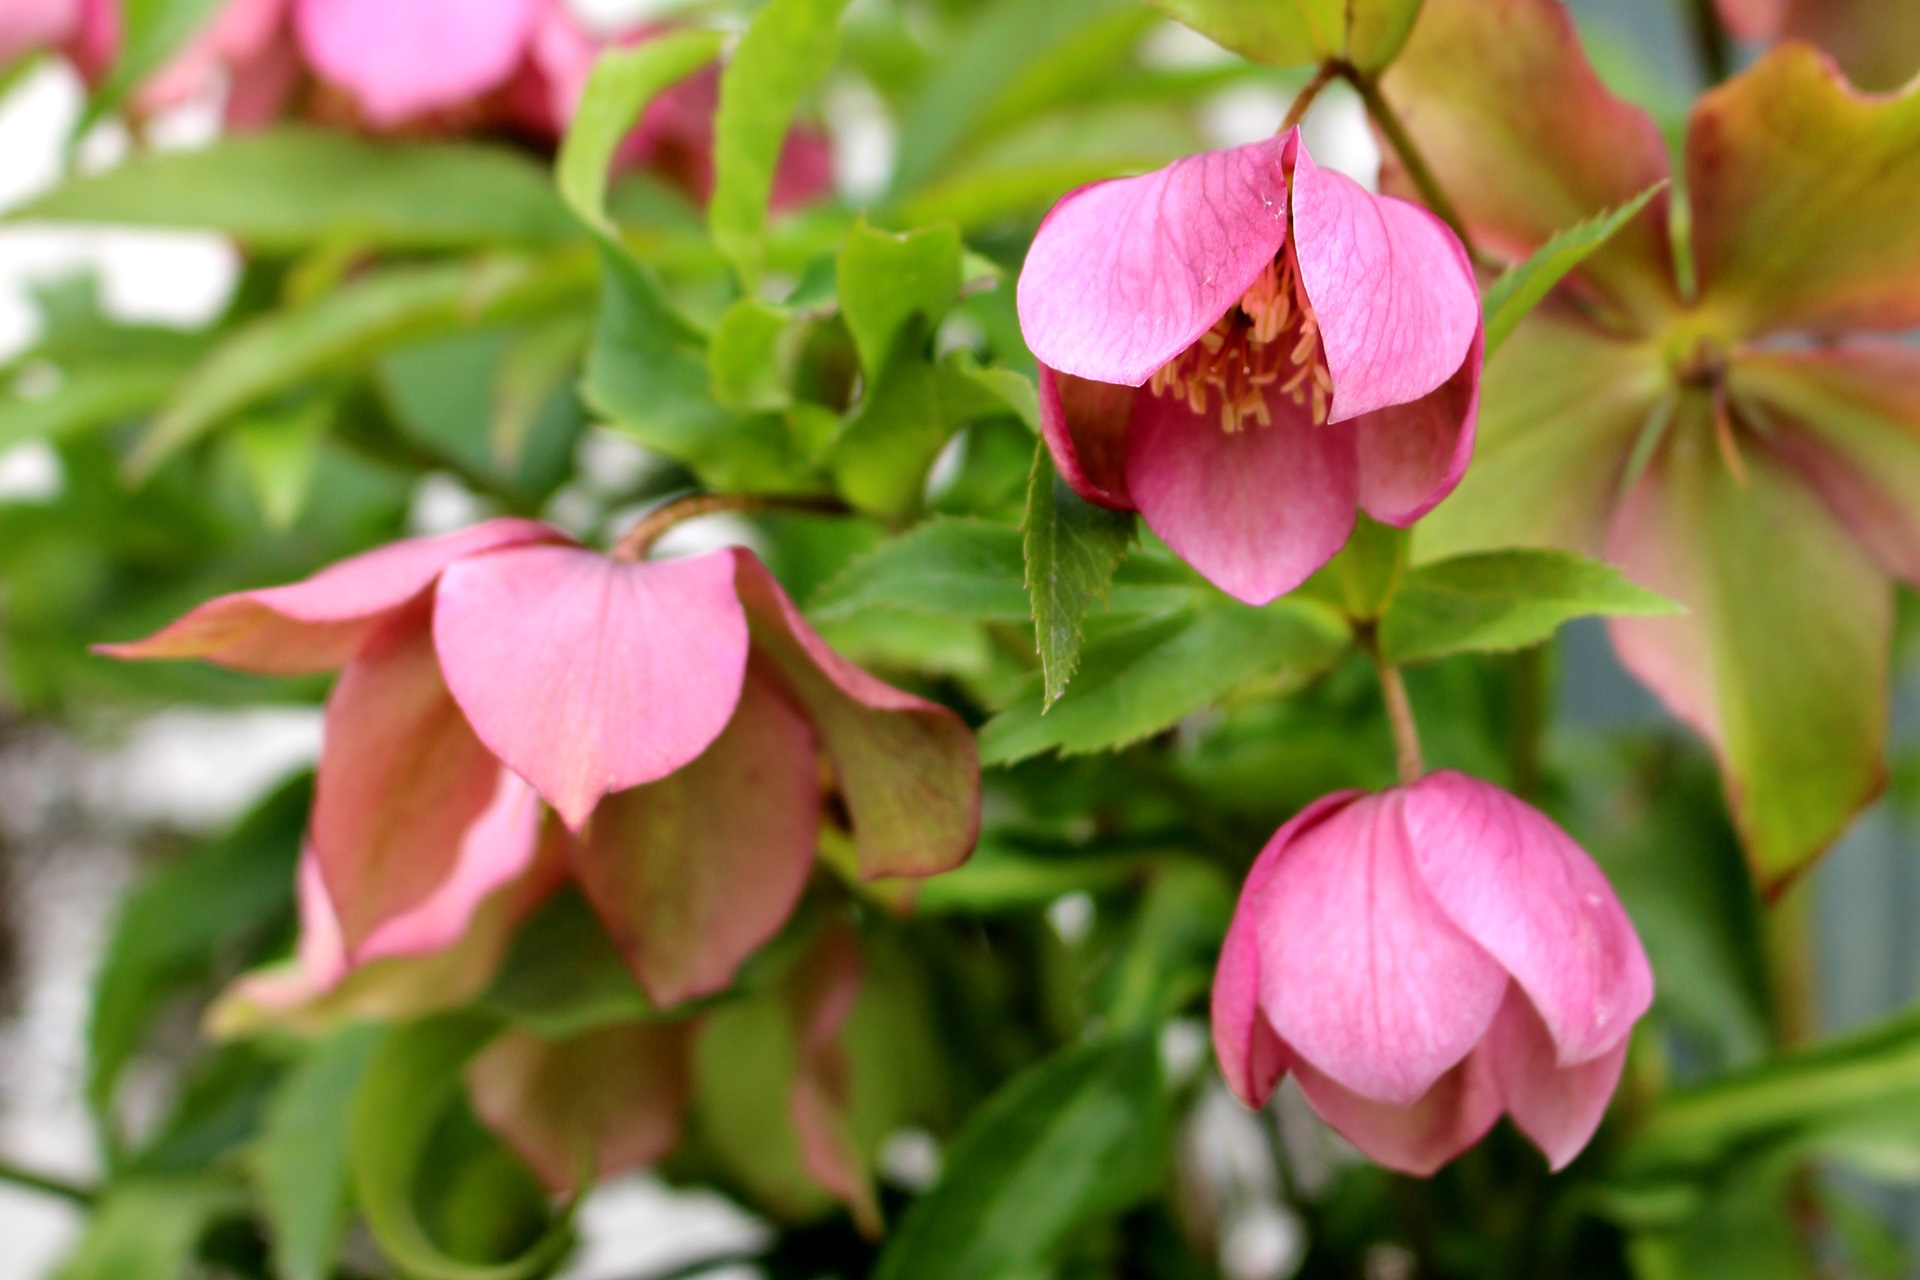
(279, 452)
(745, 358)
(885, 280)
(1074, 1139)
(1363, 577)
(89, 396)
(150, 33)
(1002, 878)
(881, 458)
(347, 328)
(413, 1077)
(1072, 549)
(1176, 936)
(1520, 289)
(786, 51)
(175, 928)
(1498, 600)
(1366, 33)
(563, 975)
(1145, 676)
(623, 82)
(295, 188)
(150, 1229)
(300, 1162)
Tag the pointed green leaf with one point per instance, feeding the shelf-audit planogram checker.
(745, 359)
(300, 1162)
(1072, 549)
(945, 568)
(1520, 289)
(885, 280)
(881, 457)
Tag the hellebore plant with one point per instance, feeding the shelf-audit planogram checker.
(679, 717)
(1248, 349)
(1714, 407)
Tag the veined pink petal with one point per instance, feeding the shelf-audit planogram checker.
(1412, 455)
(596, 1104)
(1416, 1137)
(694, 872)
(402, 779)
(908, 769)
(1391, 286)
(589, 676)
(1362, 974)
(1085, 426)
(825, 988)
(1557, 1106)
(30, 25)
(1258, 511)
(400, 60)
(1518, 886)
(319, 624)
(1251, 1055)
(1125, 275)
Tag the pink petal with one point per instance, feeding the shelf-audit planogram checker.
(402, 779)
(825, 987)
(263, 86)
(1412, 456)
(1518, 886)
(1125, 275)
(1085, 426)
(589, 676)
(908, 769)
(1257, 512)
(1395, 296)
(401, 60)
(1361, 973)
(1557, 1106)
(319, 624)
(694, 872)
(805, 171)
(30, 25)
(596, 1104)
(1251, 1055)
(1416, 1137)
(1753, 19)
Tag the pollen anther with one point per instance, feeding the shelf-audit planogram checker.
(1269, 337)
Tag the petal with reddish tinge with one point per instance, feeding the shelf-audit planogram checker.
(1754, 19)
(30, 25)
(694, 872)
(591, 1105)
(1412, 455)
(1416, 1137)
(1877, 44)
(1125, 275)
(319, 624)
(908, 769)
(1557, 1106)
(1251, 1055)
(824, 988)
(1257, 511)
(1085, 426)
(1392, 289)
(1361, 973)
(587, 675)
(1518, 886)
(401, 60)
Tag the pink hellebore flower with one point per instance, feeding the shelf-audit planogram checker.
(1424, 959)
(677, 715)
(1246, 348)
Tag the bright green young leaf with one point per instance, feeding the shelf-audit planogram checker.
(1495, 600)
(1145, 676)
(1078, 1137)
(881, 457)
(1366, 33)
(745, 360)
(413, 1077)
(1520, 289)
(887, 279)
(786, 51)
(623, 82)
(1072, 549)
(278, 452)
(300, 1162)
(150, 1229)
(150, 33)
(294, 188)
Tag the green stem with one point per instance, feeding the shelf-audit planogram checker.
(15, 1176)
(1393, 692)
(637, 541)
(1388, 121)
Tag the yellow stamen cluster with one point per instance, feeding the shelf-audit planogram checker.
(1269, 337)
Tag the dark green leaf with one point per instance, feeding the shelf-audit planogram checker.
(1072, 548)
(295, 188)
(300, 1161)
(1504, 600)
(885, 280)
(150, 1229)
(1520, 289)
(1076, 1138)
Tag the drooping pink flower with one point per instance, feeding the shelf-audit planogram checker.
(1247, 349)
(674, 714)
(1424, 959)
(400, 61)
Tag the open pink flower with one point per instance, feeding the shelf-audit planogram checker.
(1247, 348)
(1424, 959)
(675, 714)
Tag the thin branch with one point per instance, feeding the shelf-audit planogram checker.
(1418, 170)
(637, 541)
(1303, 101)
(14, 1176)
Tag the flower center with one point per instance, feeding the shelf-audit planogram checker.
(1269, 338)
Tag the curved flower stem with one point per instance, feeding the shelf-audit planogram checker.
(637, 541)
(1395, 131)
(1406, 734)
(1303, 101)
(14, 1176)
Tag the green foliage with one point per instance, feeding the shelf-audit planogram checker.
(151, 1230)
(1365, 33)
(1523, 286)
(1072, 549)
(885, 280)
(300, 1161)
